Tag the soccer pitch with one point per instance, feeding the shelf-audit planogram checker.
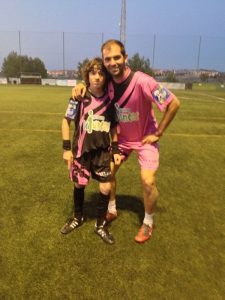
(184, 258)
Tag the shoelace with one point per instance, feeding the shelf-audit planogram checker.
(102, 232)
(74, 223)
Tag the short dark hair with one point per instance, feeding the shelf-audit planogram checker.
(108, 44)
(89, 66)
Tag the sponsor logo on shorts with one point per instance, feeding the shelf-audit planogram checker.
(103, 174)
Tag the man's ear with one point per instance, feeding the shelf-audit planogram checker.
(126, 58)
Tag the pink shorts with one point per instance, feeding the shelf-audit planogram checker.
(148, 154)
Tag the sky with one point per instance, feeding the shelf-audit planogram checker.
(172, 34)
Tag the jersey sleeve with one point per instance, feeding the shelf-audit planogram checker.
(72, 109)
(157, 93)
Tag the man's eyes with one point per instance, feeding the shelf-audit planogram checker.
(108, 59)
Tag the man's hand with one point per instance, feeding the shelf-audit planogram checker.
(79, 91)
(68, 158)
(150, 139)
(117, 159)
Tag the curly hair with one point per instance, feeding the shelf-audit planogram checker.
(89, 66)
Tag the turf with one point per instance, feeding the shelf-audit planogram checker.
(184, 258)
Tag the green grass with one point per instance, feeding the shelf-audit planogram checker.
(208, 86)
(185, 257)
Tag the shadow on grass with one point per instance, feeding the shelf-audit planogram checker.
(123, 202)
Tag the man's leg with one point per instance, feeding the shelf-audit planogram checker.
(150, 193)
(103, 201)
(102, 206)
(112, 212)
(77, 219)
(79, 173)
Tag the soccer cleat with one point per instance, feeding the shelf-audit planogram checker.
(71, 224)
(104, 234)
(110, 217)
(144, 233)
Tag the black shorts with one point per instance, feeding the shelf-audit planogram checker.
(95, 163)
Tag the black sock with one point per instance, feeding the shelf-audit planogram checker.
(102, 206)
(78, 197)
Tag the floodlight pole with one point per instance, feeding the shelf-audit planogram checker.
(123, 23)
(63, 54)
(20, 51)
(199, 50)
(19, 43)
(153, 52)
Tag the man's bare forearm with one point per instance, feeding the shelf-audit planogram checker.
(168, 116)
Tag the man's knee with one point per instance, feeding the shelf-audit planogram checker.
(148, 180)
(149, 183)
(105, 188)
(78, 186)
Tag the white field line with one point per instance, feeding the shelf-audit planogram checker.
(215, 97)
(29, 112)
(196, 98)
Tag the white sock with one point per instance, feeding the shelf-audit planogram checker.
(112, 206)
(148, 220)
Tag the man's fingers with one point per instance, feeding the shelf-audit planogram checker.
(145, 140)
(83, 93)
(68, 164)
(117, 159)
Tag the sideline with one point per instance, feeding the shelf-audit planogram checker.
(29, 112)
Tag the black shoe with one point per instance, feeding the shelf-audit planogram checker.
(104, 234)
(71, 224)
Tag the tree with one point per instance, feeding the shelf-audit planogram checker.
(221, 77)
(138, 63)
(80, 67)
(204, 77)
(14, 64)
(170, 77)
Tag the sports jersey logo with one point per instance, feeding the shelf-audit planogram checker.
(95, 123)
(160, 94)
(125, 114)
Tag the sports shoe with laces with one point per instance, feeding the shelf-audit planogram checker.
(110, 217)
(71, 224)
(104, 234)
(144, 233)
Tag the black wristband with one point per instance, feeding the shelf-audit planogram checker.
(115, 148)
(67, 145)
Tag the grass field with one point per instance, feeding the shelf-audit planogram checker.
(184, 258)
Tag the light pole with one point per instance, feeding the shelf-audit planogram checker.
(123, 23)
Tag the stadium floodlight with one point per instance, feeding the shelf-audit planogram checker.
(123, 22)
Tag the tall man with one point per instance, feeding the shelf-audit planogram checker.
(133, 94)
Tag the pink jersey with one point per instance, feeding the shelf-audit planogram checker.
(134, 105)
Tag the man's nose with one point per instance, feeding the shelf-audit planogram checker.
(112, 61)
